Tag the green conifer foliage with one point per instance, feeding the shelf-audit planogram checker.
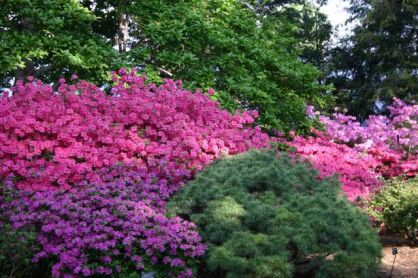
(264, 214)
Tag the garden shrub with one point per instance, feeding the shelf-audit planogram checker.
(110, 228)
(56, 139)
(396, 206)
(392, 140)
(16, 246)
(355, 169)
(362, 154)
(263, 214)
(16, 250)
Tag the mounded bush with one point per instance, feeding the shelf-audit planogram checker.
(263, 214)
(354, 169)
(90, 173)
(391, 140)
(56, 139)
(396, 206)
(109, 229)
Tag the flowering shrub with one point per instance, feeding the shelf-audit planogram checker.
(59, 139)
(106, 229)
(353, 168)
(399, 130)
(392, 140)
(360, 154)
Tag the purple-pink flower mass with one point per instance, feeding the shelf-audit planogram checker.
(58, 139)
(92, 171)
(100, 229)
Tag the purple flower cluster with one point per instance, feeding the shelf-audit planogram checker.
(398, 131)
(106, 228)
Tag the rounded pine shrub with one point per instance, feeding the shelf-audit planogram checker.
(263, 214)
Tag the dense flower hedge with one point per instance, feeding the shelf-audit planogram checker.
(57, 139)
(105, 229)
(354, 169)
(392, 140)
(92, 171)
(398, 130)
(361, 154)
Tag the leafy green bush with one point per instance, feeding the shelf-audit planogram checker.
(268, 215)
(396, 205)
(16, 251)
(17, 247)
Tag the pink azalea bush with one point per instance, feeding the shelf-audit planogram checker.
(352, 167)
(105, 229)
(399, 130)
(361, 154)
(91, 171)
(392, 140)
(59, 139)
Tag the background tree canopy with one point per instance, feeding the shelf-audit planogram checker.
(271, 56)
(48, 39)
(380, 59)
(252, 61)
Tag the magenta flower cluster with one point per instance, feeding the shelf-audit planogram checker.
(92, 170)
(58, 139)
(355, 170)
(392, 140)
(398, 131)
(105, 228)
(362, 154)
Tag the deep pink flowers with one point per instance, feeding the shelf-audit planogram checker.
(392, 140)
(92, 171)
(361, 154)
(353, 168)
(57, 139)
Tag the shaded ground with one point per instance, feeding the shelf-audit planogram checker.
(406, 263)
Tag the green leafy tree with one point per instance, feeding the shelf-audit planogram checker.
(251, 60)
(379, 60)
(48, 39)
(312, 27)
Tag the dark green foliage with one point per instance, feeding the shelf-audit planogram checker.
(312, 27)
(268, 216)
(396, 205)
(16, 251)
(380, 60)
(16, 247)
(48, 39)
(251, 61)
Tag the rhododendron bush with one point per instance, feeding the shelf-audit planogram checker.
(57, 139)
(354, 169)
(392, 140)
(361, 154)
(398, 131)
(105, 229)
(91, 171)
